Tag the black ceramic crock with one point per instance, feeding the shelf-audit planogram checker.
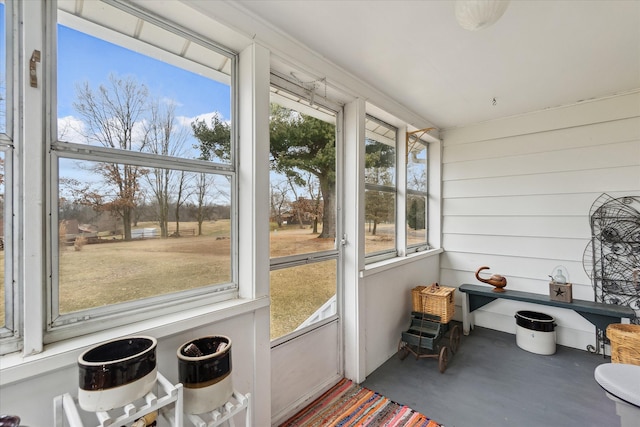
(116, 363)
(208, 363)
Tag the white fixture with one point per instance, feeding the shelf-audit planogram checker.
(475, 15)
(535, 332)
(621, 383)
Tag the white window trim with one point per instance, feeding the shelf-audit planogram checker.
(17, 367)
(32, 158)
(321, 108)
(251, 70)
(95, 319)
(10, 339)
(375, 261)
(400, 177)
(416, 247)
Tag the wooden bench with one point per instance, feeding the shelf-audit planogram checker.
(599, 314)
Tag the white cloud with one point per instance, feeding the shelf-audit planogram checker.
(186, 121)
(71, 129)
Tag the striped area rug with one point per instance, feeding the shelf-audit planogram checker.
(348, 405)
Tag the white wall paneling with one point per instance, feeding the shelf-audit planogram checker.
(586, 113)
(517, 194)
(556, 140)
(387, 307)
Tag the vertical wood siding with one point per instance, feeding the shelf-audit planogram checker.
(517, 194)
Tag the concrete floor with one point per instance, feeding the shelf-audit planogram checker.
(491, 382)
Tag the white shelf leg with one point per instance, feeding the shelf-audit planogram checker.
(70, 410)
(466, 316)
(247, 421)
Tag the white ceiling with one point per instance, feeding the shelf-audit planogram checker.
(540, 54)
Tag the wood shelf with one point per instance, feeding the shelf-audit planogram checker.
(599, 314)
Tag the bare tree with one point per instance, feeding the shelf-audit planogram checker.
(279, 201)
(164, 138)
(202, 210)
(110, 115)
(181, 197)
(315, 205)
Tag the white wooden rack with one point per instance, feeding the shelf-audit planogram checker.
(169, 405)
(225, 413)
(65, 408)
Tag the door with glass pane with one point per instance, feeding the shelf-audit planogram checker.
(304, 251)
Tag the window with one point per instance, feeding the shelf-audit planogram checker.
(142, 168)
(380, 189)
(9, 298)
(304, 222)
(417, 194)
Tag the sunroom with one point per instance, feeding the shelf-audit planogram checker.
(285, 173)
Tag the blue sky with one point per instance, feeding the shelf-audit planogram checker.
(85, 58)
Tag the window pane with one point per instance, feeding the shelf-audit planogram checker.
(416, 192)
(303, 212)
(380, 226)
(119, 98)
(416, 220)
(128, 232)
(380, 187)
(297, 301)
(303, 181)
(380, 157)
(417, 166)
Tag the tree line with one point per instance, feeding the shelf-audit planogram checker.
(121, 114)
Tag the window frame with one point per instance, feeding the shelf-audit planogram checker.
(394, 252)
(432, 191)
(10, 334)
(418, 247)
(279, 263)
(59, 327)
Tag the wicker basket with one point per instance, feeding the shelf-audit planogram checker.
(435, 299)
(416, 298)
(625, 343)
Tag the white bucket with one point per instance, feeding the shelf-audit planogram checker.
(535, 332)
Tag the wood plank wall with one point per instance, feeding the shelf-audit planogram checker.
(517, 194)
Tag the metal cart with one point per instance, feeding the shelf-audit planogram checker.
(423, 338)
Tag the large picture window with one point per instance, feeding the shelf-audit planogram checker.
(142, 168)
